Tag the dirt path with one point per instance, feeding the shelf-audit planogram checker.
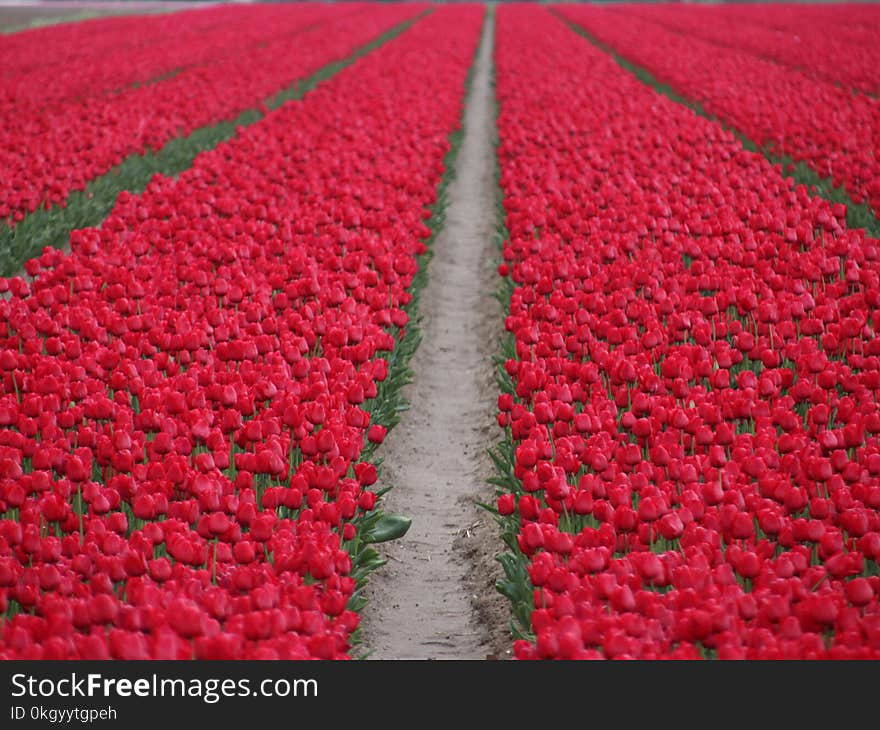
(430, 601)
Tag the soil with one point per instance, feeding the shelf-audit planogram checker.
(436, 598)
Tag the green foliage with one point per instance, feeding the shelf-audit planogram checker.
(389, 527)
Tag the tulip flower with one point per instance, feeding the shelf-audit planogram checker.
(711, 489)
(823, 125)
(215, 53)
(183, 468)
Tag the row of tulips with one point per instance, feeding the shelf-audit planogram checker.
(46, 154)
(855, 21)
(46, 67)
(833, 131)
(818, 46)
(191, 395)
(692, 456)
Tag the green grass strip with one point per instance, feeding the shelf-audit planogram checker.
(89, 207)
(857, 216)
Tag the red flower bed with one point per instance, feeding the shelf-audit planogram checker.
(854, 21)
(832, 130)
(45, 67)
(821, 47)
(187, 394)
(692, 413)
(45, 153)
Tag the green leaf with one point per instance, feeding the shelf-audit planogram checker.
(389, 527)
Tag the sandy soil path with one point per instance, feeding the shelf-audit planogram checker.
(432, 600)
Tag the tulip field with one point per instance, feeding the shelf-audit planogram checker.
(188, 393)
(217, 223)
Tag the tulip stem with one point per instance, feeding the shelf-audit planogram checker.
(214, 564)
(79, 511)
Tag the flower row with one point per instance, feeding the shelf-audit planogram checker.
(47, 67)
(47, 153)
(830, 129)
(692, 456)
(817, 46)
(188, 397)
(855, 21)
